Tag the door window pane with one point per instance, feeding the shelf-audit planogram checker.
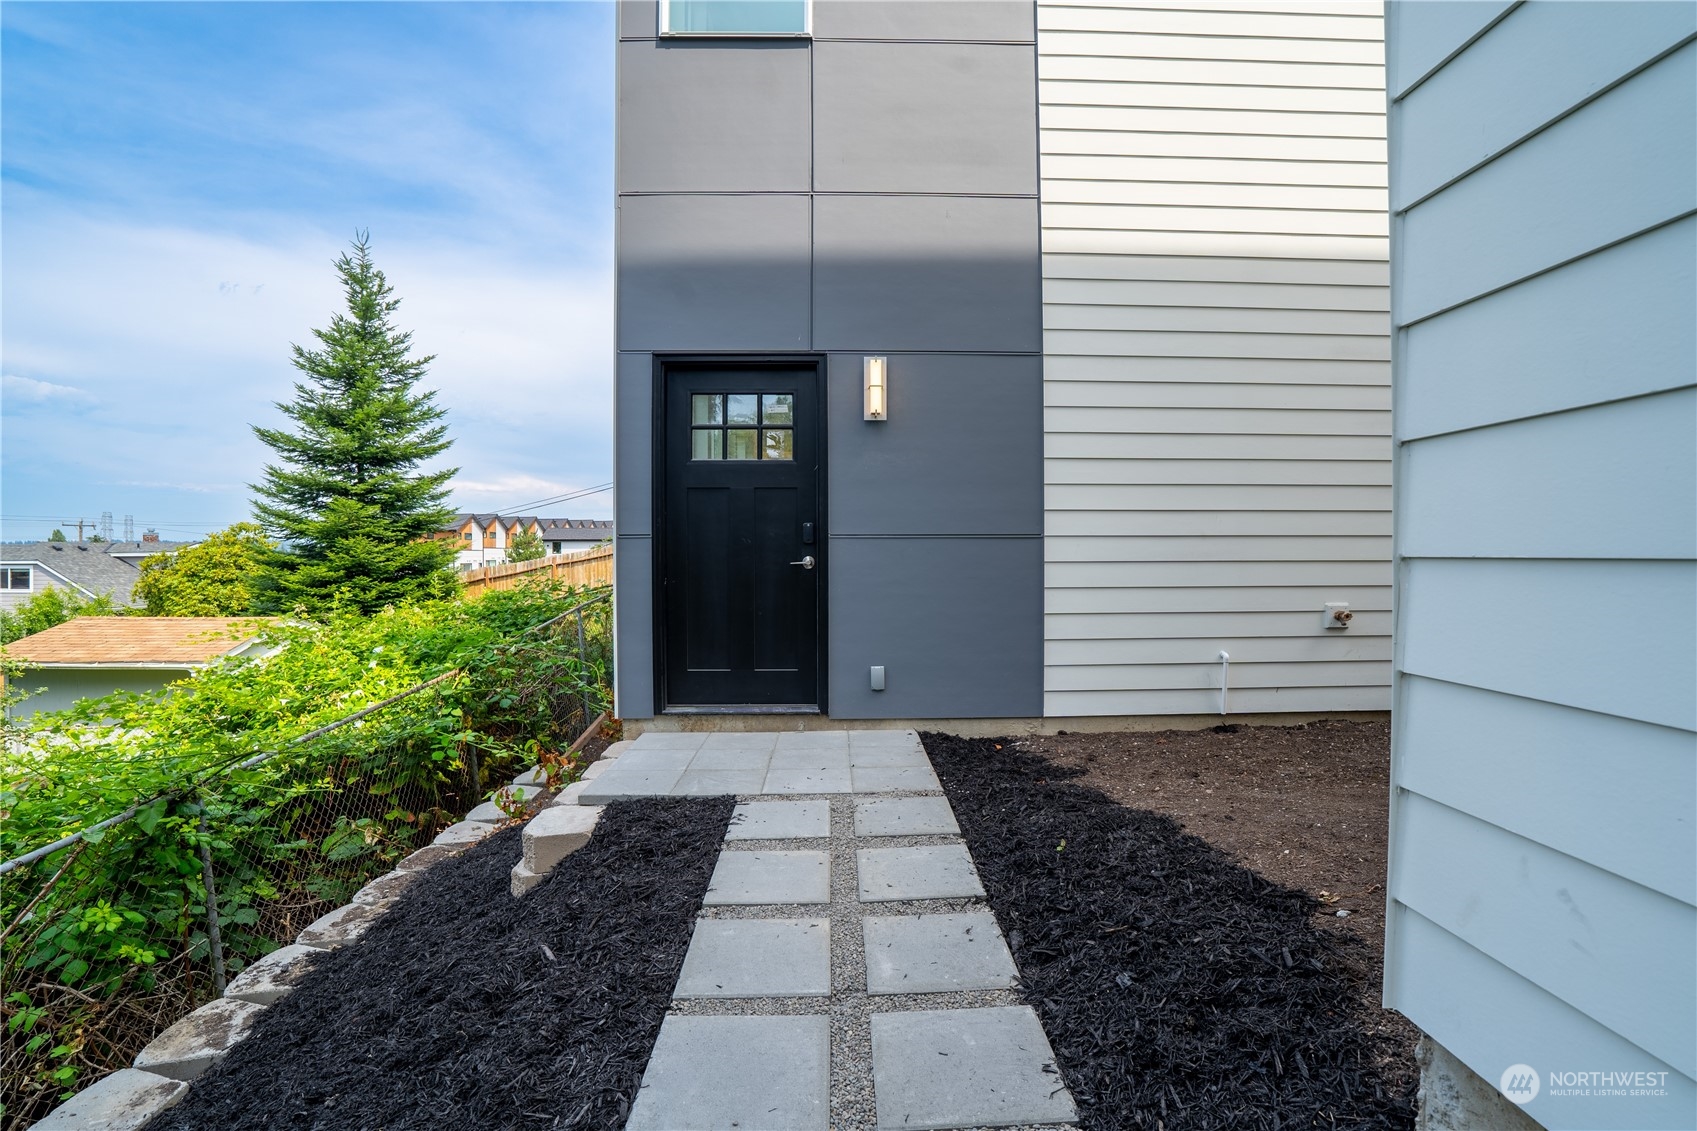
(742, 443)
(778, 408)
(742, 408)
(779, 443)
(707, 408)
(707, 443)
(733, 17)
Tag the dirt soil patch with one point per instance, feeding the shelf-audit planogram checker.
(1181, 989)
(1306, 806)
(465, 1007)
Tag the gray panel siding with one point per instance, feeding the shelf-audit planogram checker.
(924, 118)
(956, 622)
(727, 116)
(871, 190)
(1543, 852)
(940, 414)
(926, 273)
(633, 444)
(714, 272)
(980, 21)
(633, 613)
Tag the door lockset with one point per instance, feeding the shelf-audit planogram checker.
(806, 562)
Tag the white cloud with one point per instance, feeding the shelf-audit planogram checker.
(16, 390)
(191, 346)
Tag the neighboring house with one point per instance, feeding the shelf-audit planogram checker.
(1543, 875)
(89, 657)
(483, 538)
(567, 535)
(88, 569)
(1002, 359)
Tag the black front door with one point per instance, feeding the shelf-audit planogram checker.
(743, 535)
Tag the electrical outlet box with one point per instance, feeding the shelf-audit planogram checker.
(1337, 615)
(878, 677)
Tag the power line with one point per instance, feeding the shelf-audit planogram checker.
(505, 511)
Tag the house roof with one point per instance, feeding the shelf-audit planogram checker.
(81, 565)
(136, 641)
(510, 521)
(139, 550)
(577, 529)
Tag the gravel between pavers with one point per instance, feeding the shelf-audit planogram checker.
(853, 1105)
(1178, 988)
(464, 1007)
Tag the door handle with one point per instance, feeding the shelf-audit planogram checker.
(806, 562)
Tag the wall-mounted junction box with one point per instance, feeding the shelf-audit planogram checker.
(878, 677)
(1337, 615)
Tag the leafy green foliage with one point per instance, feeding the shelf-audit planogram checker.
(347, 500)
(48, 608)
(211, 579)
(123, 929)
(57, 535)
(525, 546)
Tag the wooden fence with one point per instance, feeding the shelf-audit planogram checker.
(584, 567)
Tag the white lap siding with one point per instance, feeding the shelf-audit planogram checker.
(1216, 371)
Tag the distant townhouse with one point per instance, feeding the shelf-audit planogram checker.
(483, 539)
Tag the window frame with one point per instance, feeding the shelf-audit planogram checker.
(666, 32)
(29, 578)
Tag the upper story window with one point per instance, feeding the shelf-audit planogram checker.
(736, 17)
(16, 578)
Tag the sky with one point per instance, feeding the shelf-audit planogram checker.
(176, 180)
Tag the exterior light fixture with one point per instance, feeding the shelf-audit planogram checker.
(874, 371)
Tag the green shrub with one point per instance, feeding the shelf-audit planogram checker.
(118, 947)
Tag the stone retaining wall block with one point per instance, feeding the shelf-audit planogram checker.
(123, 1101)
(556, 833)
(200, 1040)
(272, 977)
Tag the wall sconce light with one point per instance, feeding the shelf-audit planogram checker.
(873, 372)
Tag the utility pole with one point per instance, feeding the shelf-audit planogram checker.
(80, 523)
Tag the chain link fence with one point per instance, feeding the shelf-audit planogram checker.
(113, 933)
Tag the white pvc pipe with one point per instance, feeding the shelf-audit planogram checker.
(1225, 678)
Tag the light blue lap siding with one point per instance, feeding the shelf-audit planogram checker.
(1543, 874)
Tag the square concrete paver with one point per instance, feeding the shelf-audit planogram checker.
(748, 878)
(933, 954)
(942, 871)
(896, 748)
(890, 779)
(639, 772)
(756, 742)
(905, 816)
(748, 1073)
(715, 783)
(833, 740)
(965, 1068)
(757, 958)
(670, 740)
(780, 820)
(824, 779)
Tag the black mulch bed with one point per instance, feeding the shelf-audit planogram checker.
(1180, 989)
(463, 1007)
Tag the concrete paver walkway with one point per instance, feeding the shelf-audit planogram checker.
(845, 972)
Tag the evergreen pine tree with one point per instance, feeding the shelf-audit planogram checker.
(355, 516)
